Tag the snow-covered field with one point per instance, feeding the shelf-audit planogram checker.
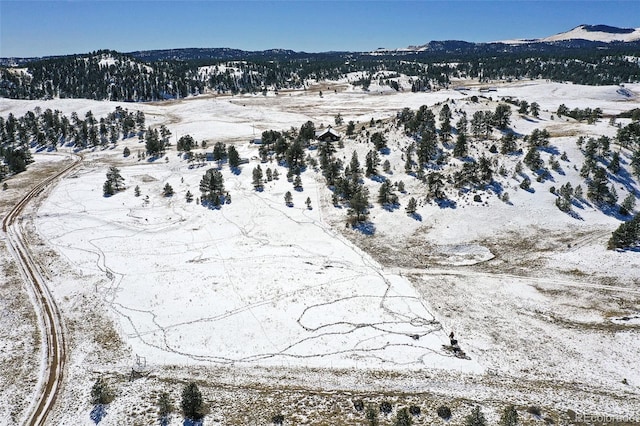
(532, 293)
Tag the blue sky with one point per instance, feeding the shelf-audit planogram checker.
(39, 28)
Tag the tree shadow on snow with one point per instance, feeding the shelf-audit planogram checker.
(191, 422)
(416, 216)
(98, 413)
(445, 203)
(367, 228)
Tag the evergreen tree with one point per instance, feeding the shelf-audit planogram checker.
(597, 189)
(107, 188)
(288, 199)
(219, 151)
(189, 197)
(167, 191)
(126, 152)
(372, 416)
(627, 235)
(297, 182)
(359, 204)
(535, 109)
(502, 116)
(191, 403)
(212, 185)
(412, 206)
(307, 131)
(509, 416)
(100, 392)
(257, 178)
(165, 407)
(379, 141)
(445, 122)
(186, 143)
(462, 126)
(403, 418)
(113, 175)
(628, 204)
(524, 107)
(614, 164)
(460, 149)
(136, 191)
(476, 418)
(308, 203)
(533, 160)
(508, 143)
(233, 156)
(350, 128)
(385, 196)
(354, 167)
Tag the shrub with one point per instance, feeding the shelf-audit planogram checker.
(277, 419)
(414, 410)
(385, 407)
(358, 404)
(534, 411)
(476, 418)
(100, 392)
(444, 412)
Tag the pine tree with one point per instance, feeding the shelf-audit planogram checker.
(308, 203)
(371, 164)
(385, 195)
(107, 188)
(257, 178)
(189, 197)
(628, 204)
(297, 182)
(412, 206)
(350, 128)
(372, 416)
(136, 191)
(359, 204)
(403, 418)
(191, 403)
(100, 392)
(535, 109)
(379, 141)
(288, 199)
(509, 416)
(460, 149)
(167, 191)
(233, 157)
(165, 407)
(626, 235)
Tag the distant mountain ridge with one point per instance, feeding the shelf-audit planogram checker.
(580, 37)
(592, 33)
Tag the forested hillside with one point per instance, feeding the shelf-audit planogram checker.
(170, 74)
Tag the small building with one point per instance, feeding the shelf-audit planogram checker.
(327, 135)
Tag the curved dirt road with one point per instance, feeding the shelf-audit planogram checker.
(49, 315)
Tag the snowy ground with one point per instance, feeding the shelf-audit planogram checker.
(532, 294)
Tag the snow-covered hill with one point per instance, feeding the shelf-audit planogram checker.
(267, 289)
(595, 33)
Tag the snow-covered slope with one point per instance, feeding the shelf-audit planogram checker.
(597, 33)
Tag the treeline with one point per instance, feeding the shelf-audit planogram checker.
(109, 75)
(49, 129)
